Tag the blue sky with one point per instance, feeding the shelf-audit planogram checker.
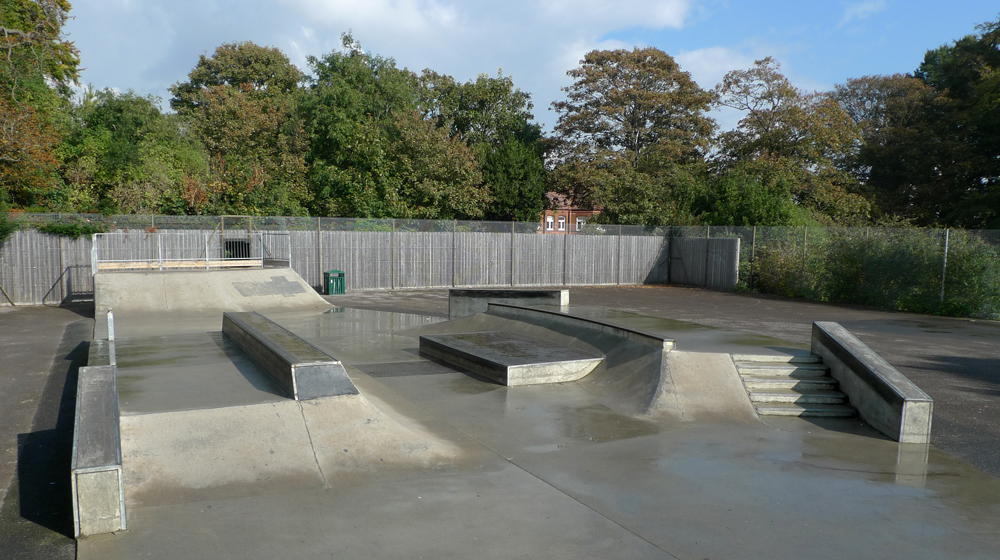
(147, 45)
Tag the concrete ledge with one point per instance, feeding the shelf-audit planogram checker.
(297, 367)
(510, 359)
(96, 471)
(568, 324)
(884, 398)
(465, 302)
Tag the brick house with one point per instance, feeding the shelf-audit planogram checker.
(564, 216)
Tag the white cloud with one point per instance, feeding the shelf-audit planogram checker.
(861, 10)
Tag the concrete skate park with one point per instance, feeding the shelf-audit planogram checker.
(239, 414)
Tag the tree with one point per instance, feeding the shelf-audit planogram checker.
(803, 138)
(36, 66)
(265, 70)
(241, 105)
(125, 156)
(417, 171)
(905, 145)
(967, 74)
(494, 119)
(631, 123)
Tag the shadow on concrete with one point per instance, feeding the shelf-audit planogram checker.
(245, 365)
(44, 490)
(37, 517)
(985, 370)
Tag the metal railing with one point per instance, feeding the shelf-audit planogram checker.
(176, 250)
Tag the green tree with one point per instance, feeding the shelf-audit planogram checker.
(241, 104)
(494, 118)
(967, 74)
(37, 65)
(805, 138)
(266, 72)
(125, 156)
(632, 123)
(905, 146)
(372, 154)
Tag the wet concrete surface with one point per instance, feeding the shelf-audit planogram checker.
(41, 349)
(550, 470)
(187, 372)
(956, 361)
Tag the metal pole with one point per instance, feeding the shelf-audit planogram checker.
(944, 264)
(454, 238)
(802, 278)
(159, 249)
(618, 267)
(753, 255)
(319, 248)
(512, 253)
(565, 259)
(392, 254)
(206, 253)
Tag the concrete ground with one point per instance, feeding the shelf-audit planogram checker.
(549, 469)
(955, 361)
(41, 349)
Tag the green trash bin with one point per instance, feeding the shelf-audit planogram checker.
(334, 281)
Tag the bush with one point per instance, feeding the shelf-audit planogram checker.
(73, 230)
(7, 226)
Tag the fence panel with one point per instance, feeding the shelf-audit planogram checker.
(540, 259)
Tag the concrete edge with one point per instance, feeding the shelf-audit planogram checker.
(883, 396)
(463, 302)
(98, 503)
(546, 318)
(299, 379)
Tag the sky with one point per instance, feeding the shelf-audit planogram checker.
(149, 45)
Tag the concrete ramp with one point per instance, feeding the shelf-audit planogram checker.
(194, 455)
(641, 373)
(204, 291)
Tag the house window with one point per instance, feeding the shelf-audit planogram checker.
(549, 221)
(562, 223)
(580, 222)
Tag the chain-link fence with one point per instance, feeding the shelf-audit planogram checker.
(954, 272)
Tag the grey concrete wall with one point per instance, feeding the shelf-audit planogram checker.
(883, 396)
(465, 302)
(96, 470)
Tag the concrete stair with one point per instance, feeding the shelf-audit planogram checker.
(793, 385)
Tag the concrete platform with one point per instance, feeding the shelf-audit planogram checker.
(510, 359)
(558, 470)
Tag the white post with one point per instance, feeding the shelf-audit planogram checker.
(159, 249)
(206, 252)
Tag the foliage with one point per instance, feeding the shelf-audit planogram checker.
(7, 226)
(241, 105)
(631, 126)
(72, 230)
(494, 119)
(738, 197)
(28, 166)
(124, 156)
(33, 49)
(801, 137)
(264, 71)
(967, 74)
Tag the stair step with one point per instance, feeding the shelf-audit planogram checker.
(805, 409)
(804, 358)
(824, 383)
(782, 369)
(790, 396)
